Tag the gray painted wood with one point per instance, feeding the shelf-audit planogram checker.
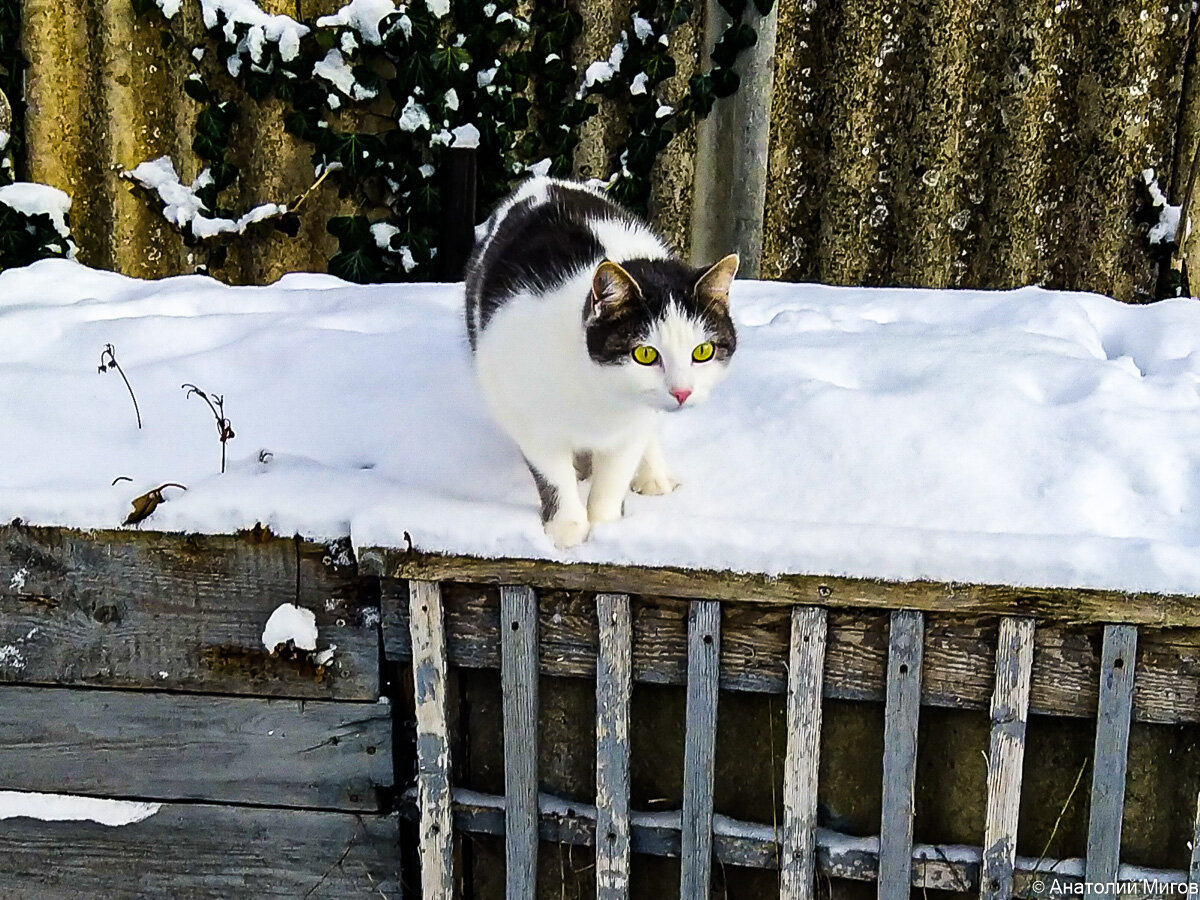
(960, 652)
(321, 754)
(806, 664)
(614, 687)
(1194, 868)
(700, 747)
(519, 677)
(901, 710)
(135, 609)
(205, 852)
(428, 637)
(1107, 805)
(753, 845)
(731, 151)
(1006, 756)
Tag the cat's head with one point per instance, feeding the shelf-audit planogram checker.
(660, 330)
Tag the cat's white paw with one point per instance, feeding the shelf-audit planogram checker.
(567, 533)
(654, 485)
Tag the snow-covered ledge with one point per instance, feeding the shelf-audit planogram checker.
(873, 447)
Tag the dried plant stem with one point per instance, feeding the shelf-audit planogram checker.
(111, 363)
(217, 404)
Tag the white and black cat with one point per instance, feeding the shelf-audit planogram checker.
(586, 328)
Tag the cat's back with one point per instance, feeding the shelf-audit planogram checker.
(543, 235)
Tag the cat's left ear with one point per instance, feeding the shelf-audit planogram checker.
(712, 288)
(611, 286)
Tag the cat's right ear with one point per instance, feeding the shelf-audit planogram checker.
(611, 287)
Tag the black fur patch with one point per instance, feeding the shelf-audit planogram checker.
(536, 246)
(612, 334)
(547, 493)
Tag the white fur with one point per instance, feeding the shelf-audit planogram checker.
(545, 391)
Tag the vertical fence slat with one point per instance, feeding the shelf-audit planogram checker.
(700, 745)
(1006, 756)
(906, 638)
(1108, 767)
(519, 680)
(614, 687)
(428, 634)
(806, 665)
(1194, 868)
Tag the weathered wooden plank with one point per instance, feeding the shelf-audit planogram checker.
(806, 664)
(1006, 756)
(1194, 868)
(753, 844)
(614, 688)
(519, 676)
(203, 851)
(902, 709)
(1075, 605)
(93, 608)
(960, 651)
(700, 747)
(322, 754)
(433, 739)
(1108, 768)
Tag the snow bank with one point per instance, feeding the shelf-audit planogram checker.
(1027, 437)
(69, 808)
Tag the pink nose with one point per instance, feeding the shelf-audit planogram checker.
(680, 394)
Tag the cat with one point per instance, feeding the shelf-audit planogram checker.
(586, 328)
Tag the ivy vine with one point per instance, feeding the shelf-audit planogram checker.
(382, 92)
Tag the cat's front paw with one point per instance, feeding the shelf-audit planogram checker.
(654, 485)
(567, 533)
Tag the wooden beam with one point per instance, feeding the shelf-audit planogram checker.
(753, 845)
(207, 852)
(91, 608)
(700, 747)
(519, 677)
(1006, 756)
(901, 711)
(318, 754)
(806, 663)
(614, 688)
(1060, 604)
(960, 651)
(433, 739)
(731, 150)
(1108, 767)
(1194, 867)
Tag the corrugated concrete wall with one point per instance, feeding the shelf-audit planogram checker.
(923, 142)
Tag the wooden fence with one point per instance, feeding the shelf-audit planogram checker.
(1028, 663)
(132, 667)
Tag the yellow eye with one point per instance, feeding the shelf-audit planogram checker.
(703, 352)
(645, 354)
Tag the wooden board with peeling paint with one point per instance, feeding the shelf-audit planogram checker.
(136, 609)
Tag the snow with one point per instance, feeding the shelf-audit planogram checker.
(181, 206)
(466, 136)
(32, 199)
(68, 808)
(291, 623)
(1025, 437)
(263, 27)
(1167, 226)
(413, 116)
(334, 69)
(364, 16)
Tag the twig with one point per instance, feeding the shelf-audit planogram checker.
(316, 184)
(1062, 812)
(111, 363)
(217, 405)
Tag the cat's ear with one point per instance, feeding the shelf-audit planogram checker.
(611, 287)
(712, 288)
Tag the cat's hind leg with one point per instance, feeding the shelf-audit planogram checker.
(652, 478)
(564, 516)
